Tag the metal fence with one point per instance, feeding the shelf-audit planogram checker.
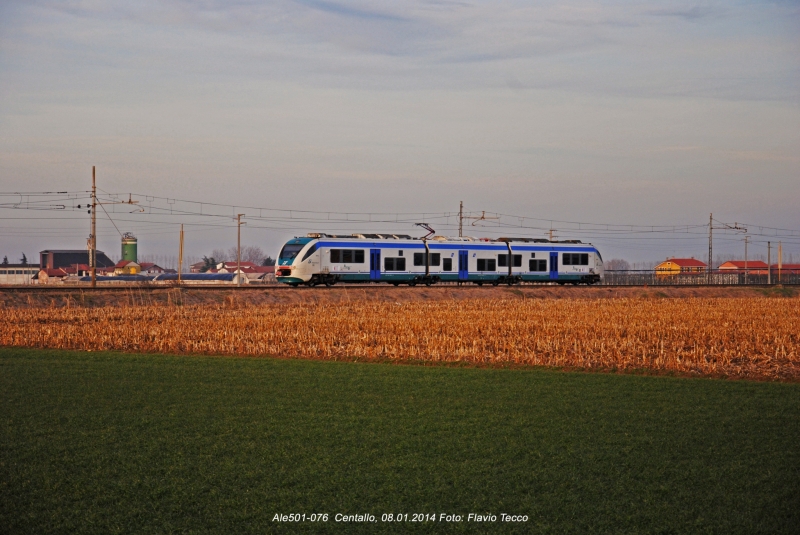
(649, 277)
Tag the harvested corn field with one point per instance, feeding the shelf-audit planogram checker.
(743, 338)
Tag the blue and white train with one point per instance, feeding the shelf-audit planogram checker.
(398, 259)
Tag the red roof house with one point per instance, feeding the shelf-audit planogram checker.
(793, 269)
(675, 266)
(754, 267)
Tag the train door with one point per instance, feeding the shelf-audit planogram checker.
(463, 265)
(553, 266)
(374, 264)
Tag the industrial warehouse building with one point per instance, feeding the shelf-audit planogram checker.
(17, 273)
(63, 258)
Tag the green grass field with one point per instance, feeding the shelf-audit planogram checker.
(107, 443)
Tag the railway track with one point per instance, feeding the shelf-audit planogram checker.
(344, 287)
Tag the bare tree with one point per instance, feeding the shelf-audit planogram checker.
(221, 256)
(250, 253)
(617, 264)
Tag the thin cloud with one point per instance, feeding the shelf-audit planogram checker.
(353, 11)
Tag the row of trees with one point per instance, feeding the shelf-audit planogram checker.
(250, 253)
(23, 260)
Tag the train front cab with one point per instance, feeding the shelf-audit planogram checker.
(289, 268)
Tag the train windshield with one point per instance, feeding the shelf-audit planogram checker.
(290, 250)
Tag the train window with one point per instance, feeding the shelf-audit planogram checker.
(533, 255)
(420, 258)
(347, 256)
(537, 265)
(310, 251)
(400, 253)
(487, 264)
(447, 264)
(502, 260)
(576, 259)
(290, 250)
(394, 264)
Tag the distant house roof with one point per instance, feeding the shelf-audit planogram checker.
(74, 269)
(58, 272)
(686, 262)
(123, 263)
(84, 251)
(740, 264)
(150, 265)
(793, 268)
(232, 264)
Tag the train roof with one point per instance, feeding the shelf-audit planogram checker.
(384, 236)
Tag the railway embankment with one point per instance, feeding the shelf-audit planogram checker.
(58, 297)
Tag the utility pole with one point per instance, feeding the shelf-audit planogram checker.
(769, 262)
(460, 218)
(746, 277)
(550, 235)
(710, 246)
(780, 260)
(239, 249)
(93, 236)
(711, 228)
(180, 257)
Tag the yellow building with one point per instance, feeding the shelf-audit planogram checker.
(680, 266)
(127, 267)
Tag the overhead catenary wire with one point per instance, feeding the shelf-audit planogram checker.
(162, 216)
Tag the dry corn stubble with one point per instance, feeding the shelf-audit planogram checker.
(755, 338)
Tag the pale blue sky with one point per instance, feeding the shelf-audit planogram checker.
(641, 113)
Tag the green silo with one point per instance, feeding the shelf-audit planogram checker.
(129, 247)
